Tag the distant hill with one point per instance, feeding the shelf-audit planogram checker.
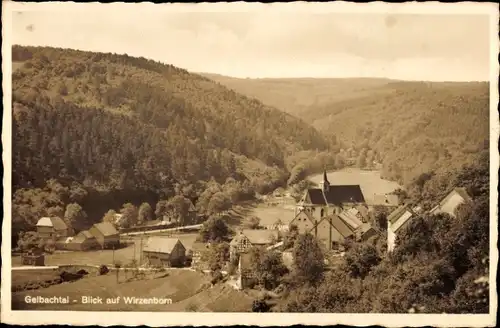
(296, 95)
(412, 127)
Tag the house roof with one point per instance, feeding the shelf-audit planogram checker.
(363, 210)
(338, 224)
(315, 196)
(385, 200)
(257, 236)
(56, 222)
(106, 228)
(336, 194)
(463, 192)
(86, 234)
(344, 194)
(364, 228)
(350, 219)
(460, 191)
(397, 213)
(304, 214)
(161, 244)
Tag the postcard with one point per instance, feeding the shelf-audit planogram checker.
(212, 164)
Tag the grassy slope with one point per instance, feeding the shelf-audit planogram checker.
(177, 285)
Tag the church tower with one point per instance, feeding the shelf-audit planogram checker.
(326, 183)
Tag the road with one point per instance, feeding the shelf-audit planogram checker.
(195, 226)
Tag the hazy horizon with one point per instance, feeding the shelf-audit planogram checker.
(273, 44)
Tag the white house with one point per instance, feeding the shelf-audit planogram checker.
(395, 222)
(451, 202)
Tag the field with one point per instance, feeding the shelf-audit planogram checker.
(97, 257)
(178, 285)
(370, 181)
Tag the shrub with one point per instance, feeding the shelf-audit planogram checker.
(103, 270)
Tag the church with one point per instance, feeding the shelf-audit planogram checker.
(330, 199)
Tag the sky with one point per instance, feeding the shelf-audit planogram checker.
(275, 43)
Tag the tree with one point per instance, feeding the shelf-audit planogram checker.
(214, 229)
(290, 237)
(253, 222)
(179, 205)
(161, 209)
(219, 203)
(268, 268)
(145, 213)
(29, 241)
(360, 259)
(110, 217)
(129, 215)
(308, 260)
(216, 256)
(75, 217)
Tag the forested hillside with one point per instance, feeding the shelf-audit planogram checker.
(413, 128)
(416, 128)
(130, 130)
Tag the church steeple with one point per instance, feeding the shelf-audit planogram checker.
(326, 183)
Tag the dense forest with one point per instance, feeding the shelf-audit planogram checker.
(412, 128)
(127, 129)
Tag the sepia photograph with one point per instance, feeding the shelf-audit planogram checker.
(284, 163)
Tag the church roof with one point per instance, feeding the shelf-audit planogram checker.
(337, 194)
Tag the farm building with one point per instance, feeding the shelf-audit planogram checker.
(248, 238)
(105, 234)
(451, 202)
(332, 231)
(52, 228)
(164, 252)
(82, 242)
(395, 222)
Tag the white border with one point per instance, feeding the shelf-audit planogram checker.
(266, 319)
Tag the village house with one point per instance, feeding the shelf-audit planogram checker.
(246, 277)
(365, 232)
(304, 221)
(330, 199)
(52, 228)
(450, 203)
(332, 232)
(196, 253)
(397, 220)
(105, 234)
(246, 239)
(164, 252)
(83, 241)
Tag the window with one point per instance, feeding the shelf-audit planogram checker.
(322, 212)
